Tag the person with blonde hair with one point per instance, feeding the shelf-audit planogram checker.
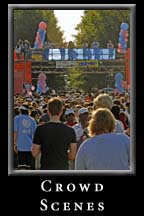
(104, 150)
(105, 101)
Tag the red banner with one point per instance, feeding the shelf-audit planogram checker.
(22, 74)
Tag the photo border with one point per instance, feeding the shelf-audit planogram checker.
(132, 7)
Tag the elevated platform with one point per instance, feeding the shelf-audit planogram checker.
(85, 66)
(58, 67)
(27, 70)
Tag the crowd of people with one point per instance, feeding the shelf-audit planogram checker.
(72, 130)
(23, 49)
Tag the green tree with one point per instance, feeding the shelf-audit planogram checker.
(56, 82)
(78, 80)
(26, 23)
(75, 78)
(54, 33)
(102, 25)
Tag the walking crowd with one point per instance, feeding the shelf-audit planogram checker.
(72, 131)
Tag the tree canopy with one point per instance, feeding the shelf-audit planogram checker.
(101, 25)
(26, 23)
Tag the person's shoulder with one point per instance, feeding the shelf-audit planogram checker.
(120, 136)
(76, 126)
(118, 123)
(66, 126)
(41, 126)
(16, 117)
(43, 115)
(124, 136)
(31, 118)
(86, 144)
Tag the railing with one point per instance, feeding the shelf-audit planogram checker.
(72, 54)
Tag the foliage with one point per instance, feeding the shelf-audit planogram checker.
(26, 25)
(101, 25)
(75, 78)
(56, 82)
(78, 80)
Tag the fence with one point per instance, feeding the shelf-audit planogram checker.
(73, 54)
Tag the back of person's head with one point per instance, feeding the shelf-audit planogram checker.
(117, 102)
(24, 109)
(124, 120)
(102, 121)
(55, 106)
(103, 101)
(34, 113)
(116, 111)
(16, 111)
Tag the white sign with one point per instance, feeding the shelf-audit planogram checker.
(65, 64)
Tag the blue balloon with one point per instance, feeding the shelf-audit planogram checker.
(121, 39)
(42, 35)
(120, 34)
(35, 45)
(123, 43)
(38, 90)
(124, 26)
(118, 82)
(124, 46)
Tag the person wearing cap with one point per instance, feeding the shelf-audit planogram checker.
(70, 117)
(54, 140)
(24, 128)
(81, 127)
(80, 130)
(104, 150)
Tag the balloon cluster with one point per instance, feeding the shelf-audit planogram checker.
(41, 84)
(40, 36)
(123, 38)
(118, 82)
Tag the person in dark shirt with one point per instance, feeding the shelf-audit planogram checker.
(44, 118)
(55, 140)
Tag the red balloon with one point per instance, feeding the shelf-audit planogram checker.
(32, 88)
(118, 50)
(42, 25)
